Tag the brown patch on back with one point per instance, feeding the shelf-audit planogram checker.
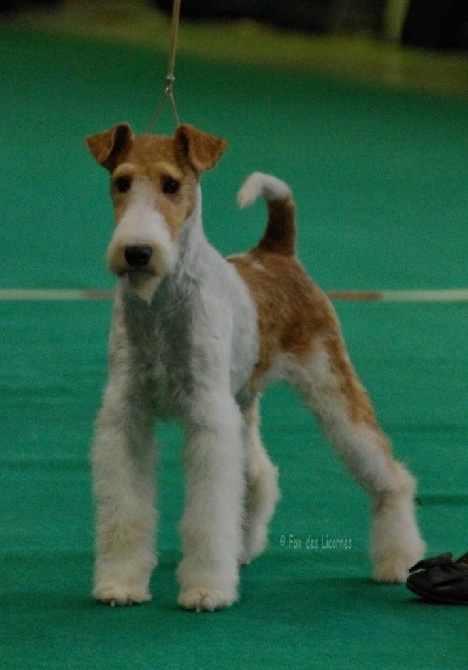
(291, 310)
(296, 317)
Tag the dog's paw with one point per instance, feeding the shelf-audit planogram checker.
(392, 563)
(395, 569)
(203, 599)
(391, 572)
(121, 595)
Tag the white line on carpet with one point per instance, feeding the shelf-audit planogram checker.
(432, 295)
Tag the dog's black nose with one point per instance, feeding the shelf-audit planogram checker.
(138, 256)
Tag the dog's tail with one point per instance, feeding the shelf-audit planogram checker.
(280, 234)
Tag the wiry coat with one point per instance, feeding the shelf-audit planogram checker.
(196, 337)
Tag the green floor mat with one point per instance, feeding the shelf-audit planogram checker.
(380, 179)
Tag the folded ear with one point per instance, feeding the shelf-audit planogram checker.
(200, 149)
(107, 147)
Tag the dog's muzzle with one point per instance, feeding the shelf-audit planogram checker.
(140, 274)
(138, 256)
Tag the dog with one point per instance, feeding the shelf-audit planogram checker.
(196, 338)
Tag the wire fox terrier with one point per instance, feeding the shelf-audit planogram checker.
(196, 337)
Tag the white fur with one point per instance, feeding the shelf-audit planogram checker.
(262, 489)
(395, 541)
(259, 184)
(142, 224)
(187, 353)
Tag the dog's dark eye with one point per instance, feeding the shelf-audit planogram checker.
(170, 186)
(123, 184)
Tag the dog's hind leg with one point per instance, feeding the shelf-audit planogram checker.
(122, 459)
(262, 491)
(332, 390)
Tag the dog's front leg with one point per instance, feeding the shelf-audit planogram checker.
(211, 526)
(122, 459)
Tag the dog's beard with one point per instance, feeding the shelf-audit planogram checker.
(144, 284)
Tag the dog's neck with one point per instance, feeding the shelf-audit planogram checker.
(190, 267)
(191, 241)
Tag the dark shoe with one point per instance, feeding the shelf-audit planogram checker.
(441, 579)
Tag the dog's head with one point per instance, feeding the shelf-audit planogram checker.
(154, 182)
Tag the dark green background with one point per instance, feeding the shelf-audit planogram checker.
(380, 180)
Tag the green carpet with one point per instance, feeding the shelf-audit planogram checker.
(380, 179)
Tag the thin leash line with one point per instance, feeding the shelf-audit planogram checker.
(173, 39)
(170, 77)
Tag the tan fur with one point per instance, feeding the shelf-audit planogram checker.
(149, 160)
(280, 234)
(286, 306)
(232, 485)
(294, 315)
(175, 209)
